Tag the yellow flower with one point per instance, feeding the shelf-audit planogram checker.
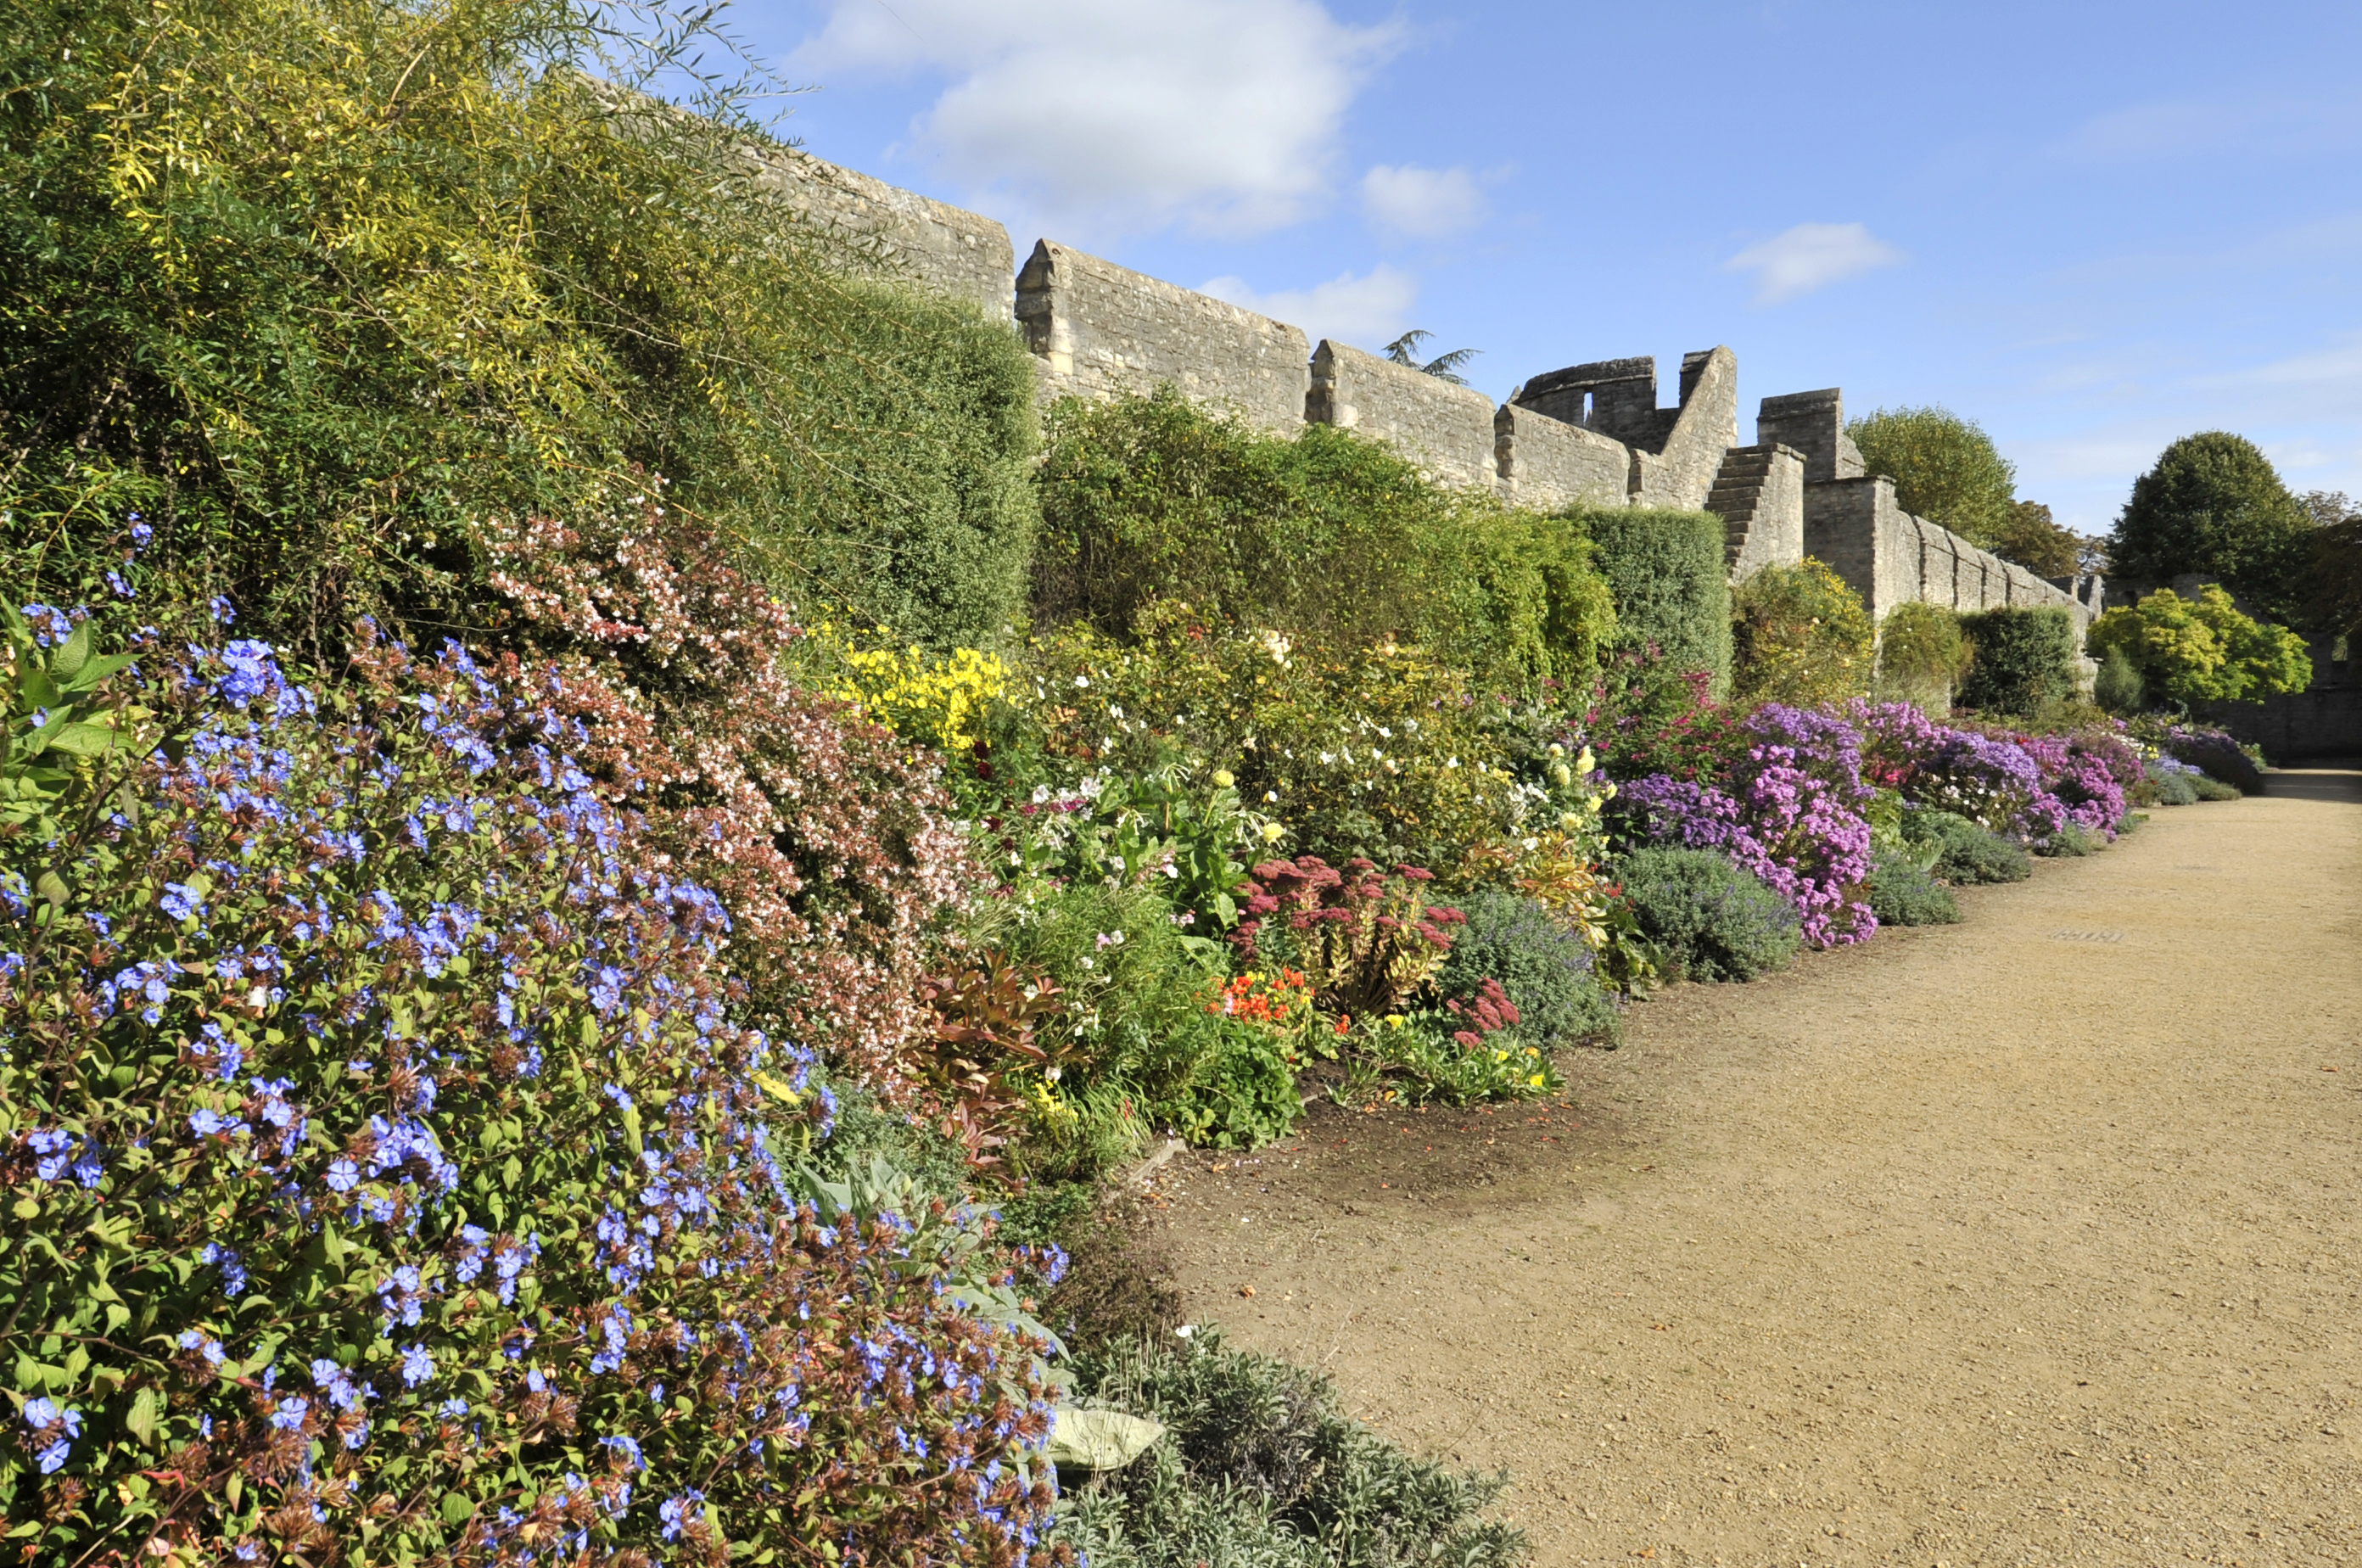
(1536, 1080)
(1393, 1021)
(1586, 762)
(1223, 779)
(1272, 831)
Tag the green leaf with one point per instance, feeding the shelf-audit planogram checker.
(456, 1507)
(81, 740)
(142, 1421)
(68, 660)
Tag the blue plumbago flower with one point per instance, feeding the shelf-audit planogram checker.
(204, 1345)
(417, 1365)
(678, 1513)
(50, 625)
(56, 1148)
(222, 612)
(182, 901)
(454, 1408)
(288, 1414)
(626, 1447)
(122, 589)
(61, 1424)
(140, 532)
(232, 1269)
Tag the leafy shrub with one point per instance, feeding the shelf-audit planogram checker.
(2175, 783)
(1667, 576)
(396, 353)
(1922, 655)
(2072, 842)
(1326, 537)
(1261, 1466)
(385, 1135)
(831, 842)
(1456, 1056)
(2202, 649)
(2118, 688)
(1544, 965)
(2209, 788)
(1799, 636)
(1243, 1094)
(1378, 752)
(2215, 752)
(2024, 660)
(1968, 854)
(1713, 920)
(1905, 893)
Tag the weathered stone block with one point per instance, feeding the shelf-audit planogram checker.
(1099, 329)
(1812, 423)
(943, 248)
(1677, 451)
(1547, 464)
(1445, 429)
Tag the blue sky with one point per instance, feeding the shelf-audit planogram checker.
(2092, 227)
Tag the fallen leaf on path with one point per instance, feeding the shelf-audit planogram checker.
(1246, 1290)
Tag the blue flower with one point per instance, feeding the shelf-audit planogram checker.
(222, 612)
(288, 1415)
(232, 1269)
(47, 1416)
(417, 1366)
(677, 1512)
(182, 901)
(343, 1174)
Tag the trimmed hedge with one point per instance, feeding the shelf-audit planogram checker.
(2024, 660)
(1671, 581)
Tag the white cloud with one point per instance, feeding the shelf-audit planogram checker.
(2271, 124)
(1367, 310)
(1110, 114)
(1422, 203)
(1811, 256)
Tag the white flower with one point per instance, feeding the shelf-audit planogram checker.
(1082, 680)
(1040, 793)
(1271, 796)
(1385, 731)
(1115, 708)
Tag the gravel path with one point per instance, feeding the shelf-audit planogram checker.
(2031, 1239)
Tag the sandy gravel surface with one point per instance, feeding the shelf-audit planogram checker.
(2032, 1240)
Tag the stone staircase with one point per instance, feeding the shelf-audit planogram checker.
(1738, 493)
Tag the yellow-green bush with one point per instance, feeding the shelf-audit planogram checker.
(1799, 636)
(2203, 649)
(1670, 580)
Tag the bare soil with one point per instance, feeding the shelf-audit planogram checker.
(2029, 1240)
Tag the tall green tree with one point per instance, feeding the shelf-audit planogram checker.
(2214, 505)
(2032, 538)
(1945, 468)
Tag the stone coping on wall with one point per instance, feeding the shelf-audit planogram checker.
(1445, 428)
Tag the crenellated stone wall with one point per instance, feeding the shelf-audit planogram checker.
(1590, 435)
(1099, 329)
(1547, 465)
(1445, 429)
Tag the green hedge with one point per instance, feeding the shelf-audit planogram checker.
(1671, 581)
(2024, 660)
(1152, 498)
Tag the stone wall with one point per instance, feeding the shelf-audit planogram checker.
(1100, 329)
(1760, 495)
(1548, 464)
(1445, 429)
(943, 248)
(1814, 424)
(1676, 452)
(2322, 722)
(1891, 558)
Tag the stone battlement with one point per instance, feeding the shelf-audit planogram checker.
(1589, 434)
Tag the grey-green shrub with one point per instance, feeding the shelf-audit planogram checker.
(1261, 1469)
(1904, 893)
(1712, 920)
(2176, 789)
(1670, 577)
(1542, 964)
(1970, 854)
(2209, 788)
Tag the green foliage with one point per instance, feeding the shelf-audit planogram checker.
(1541, 963)
(2174, 788)
(1260, 1468)
(2332, 603)
(1966, 852)
(2029, 537)
(322, 287)
(2214, 505)
(1670, 583)
(1902, 892)
(2203, 649)
(1712, 920)
(2070, 843)
(2118, 688)
(1244, 1093)
(1371, 751)
(1436, 1058)
(1923, 654)
(2024, 660)
(1799, 636)
(1945, 468)
(1326, 537)
(2209, 788)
